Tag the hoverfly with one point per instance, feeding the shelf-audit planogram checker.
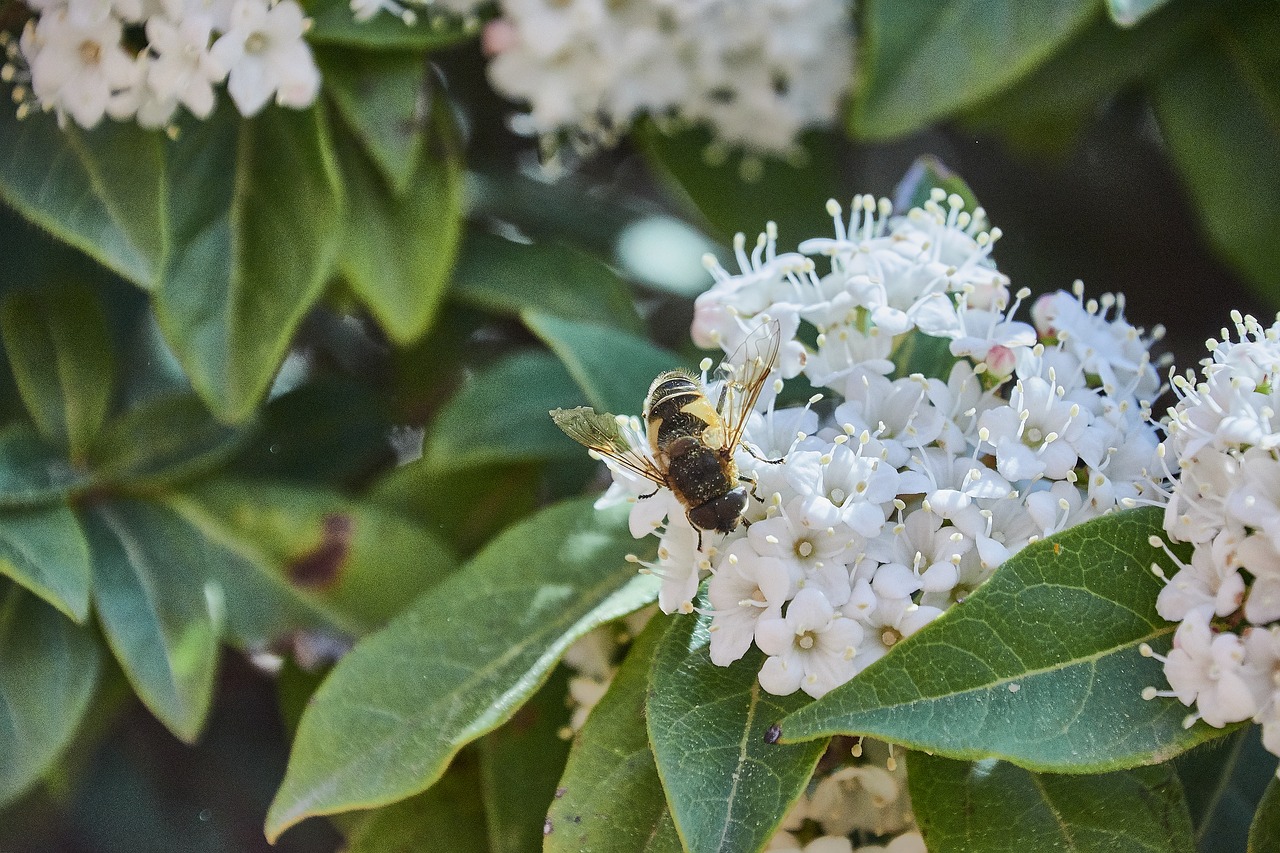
(691, 441)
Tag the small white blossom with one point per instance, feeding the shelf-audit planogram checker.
(810, 648)
(265, 55)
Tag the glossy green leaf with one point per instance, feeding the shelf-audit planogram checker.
(334, 23)
(383, 98)
(480, 501)
(926, 174)
(398, 249)
(1224, 781)
(993, 806)
(1264, 834)
(162, 441)
(610, 798)
(1015, 672)
(521, 763)
(614, 369)
(793, 194)
(507, 277)
(48, 672)
(727, 785)
(1126, 13)
(921, 63)
(385, 723)
(255, 213)
(1218, 108)
(161, 621)
(61, 356)
(448, 815)
(362, 560)
(33, 474)
(45, 551)
(100, 190)
(1047, 110)
(500, 415)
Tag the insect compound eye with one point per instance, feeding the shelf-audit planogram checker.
(720, 513)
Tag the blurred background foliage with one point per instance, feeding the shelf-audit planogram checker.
(222, 351)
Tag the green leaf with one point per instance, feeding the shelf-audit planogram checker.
(364, 561)
(1219, 109)
(610, 798)
(1047, 110)
(500, 415)
(1015, 672)
(1264, 834)
(993, 806)
(792, 194)
(162, 624)
(477, 646)
(614, 369)
(926, 174)
(480, 501)
(45, 551)
(100, 190)
(162, 441)
(398, 249)
(383, 98)
(921, 63)
(32, 474)
(61, 355)
(507, 277)
(255, 213)
(521, 763)
(1126, 13)
(1223, 781)
(48, 672)
(448, 815)
(727, 783)
(333, 23)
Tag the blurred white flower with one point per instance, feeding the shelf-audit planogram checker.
(265, 55)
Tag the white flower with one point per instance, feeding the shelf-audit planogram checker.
(264, 54)
(810, 648)
(1035, 434)
(77, 65)
(1208, 669)
(183, 69)
(746, 588)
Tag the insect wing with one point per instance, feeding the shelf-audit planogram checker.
(744, 374)
(603, 434)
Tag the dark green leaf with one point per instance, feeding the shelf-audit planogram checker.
(1264, 834)
(48, 671)
(383, 98)
(792, 194)
(60, 353)
(477, 646)
(161, 622)
(162, 441)
(1047, 109)
(32, 474)
(506, 277)
(610, 798)
(1219, 108)
(926, 174)
(255, 212)
(45, 551)
(728, 786)
(333, 23)
(614, 369)
(921, 62)
(398, 249)
(100, 190)
(520, 765)
(365, 561)
(448, 815)
(993, 806)
(1223, 781)
(466, 506)
(500, 415)
(1126, 13)
(1015, 672)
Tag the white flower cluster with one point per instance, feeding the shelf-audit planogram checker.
(1224, 437)
(756, 71)
(81, 63)
(907, 491)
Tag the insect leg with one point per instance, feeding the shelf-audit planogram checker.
(752, 451)
(656, 489)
